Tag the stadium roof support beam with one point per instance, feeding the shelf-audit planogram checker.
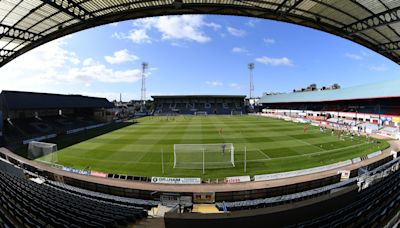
(5, 53)
(373, 24)
(71, 8)
(287, 6)
(391, 46)
(384, 18)
(15, 33)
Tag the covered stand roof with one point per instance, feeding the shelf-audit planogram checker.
(386, 89)
(27, 100)
(25, 25)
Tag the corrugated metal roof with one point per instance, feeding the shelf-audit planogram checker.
(383, 89)
(28, 100)
(25, 24)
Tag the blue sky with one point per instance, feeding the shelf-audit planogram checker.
(194, 54)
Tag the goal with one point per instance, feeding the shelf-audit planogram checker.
(233, 113)
(45, 152)
(204, 156)
(200, 113)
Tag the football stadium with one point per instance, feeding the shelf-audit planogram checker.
(315, 157)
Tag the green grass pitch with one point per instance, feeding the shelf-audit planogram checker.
(272, 146)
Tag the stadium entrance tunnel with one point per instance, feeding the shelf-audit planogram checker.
(25, 25)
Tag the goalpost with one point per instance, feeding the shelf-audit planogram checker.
(204, 156)
(200, 113)
(45, 152)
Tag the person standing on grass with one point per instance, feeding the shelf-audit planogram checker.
(305, 129)
(223, 148)
(221, 131)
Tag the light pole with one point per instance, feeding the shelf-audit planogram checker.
(144, 67)
(251, 87)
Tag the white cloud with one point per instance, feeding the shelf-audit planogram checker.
(213, 25)
(235, 85)
(115, 24)
(136, 36)
(214, 83)
(269, 40)
(186, 28)
(179, 44)
(88, 61)
(366, 53)
(284, 61)
(236, 32)
(252, 22)
(239, 50)
(51, 66)
(98, 72)
(121, 56)
(353, 56)
(379, 68)
(139, 36)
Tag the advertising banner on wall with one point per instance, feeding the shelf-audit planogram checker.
(78, 171)
(396, 119)
(175, 180)
(237, 179)
(386, 119)
(98, 174)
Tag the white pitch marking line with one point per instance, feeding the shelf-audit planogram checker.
(264, 154)
(309, 154)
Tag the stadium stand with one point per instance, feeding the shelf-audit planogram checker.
(40, 205)
(147, 204)
(345, 204)
(290, 198)
(283, 199)
(27, 115)
(28, 24)
(362, 109)
(371, 206)
(189, 105)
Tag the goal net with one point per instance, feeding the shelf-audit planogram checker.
(45, 152)
(204, 156)
(236, 113)
(200, 113)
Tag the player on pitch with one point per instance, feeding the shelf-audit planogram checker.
(223, 148)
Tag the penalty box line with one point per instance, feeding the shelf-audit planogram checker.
(306, 155)
(264, 154)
